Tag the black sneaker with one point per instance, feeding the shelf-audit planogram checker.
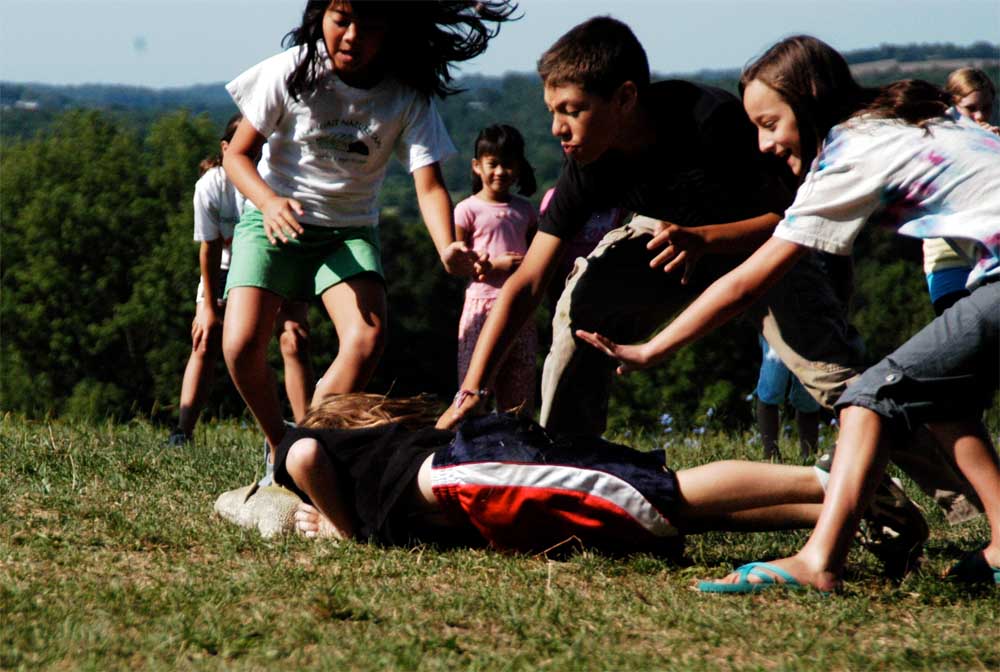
(178, 438)
(892, 528)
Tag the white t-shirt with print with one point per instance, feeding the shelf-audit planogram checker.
(218, 207)
(939, 183)
(330, 150)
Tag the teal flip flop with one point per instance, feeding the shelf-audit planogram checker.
(765, 571)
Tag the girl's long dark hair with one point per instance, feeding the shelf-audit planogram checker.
(215, 160)
(423, 39)
(506, 143)
(816, 82)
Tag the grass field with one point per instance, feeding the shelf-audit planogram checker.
(111, 557)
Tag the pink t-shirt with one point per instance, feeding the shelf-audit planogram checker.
(494, 228)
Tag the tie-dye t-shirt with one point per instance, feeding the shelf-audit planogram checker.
(940, 183)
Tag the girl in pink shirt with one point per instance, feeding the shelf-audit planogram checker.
(495, 222)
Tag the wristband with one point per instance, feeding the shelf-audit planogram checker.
(462, 395)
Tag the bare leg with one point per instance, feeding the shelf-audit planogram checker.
(862, 454)
(250, 313)
(198, 375)
(808, 426)
(292, 330)
(357, 307)
(721, 488)
(767, 423)
(977, 460)
(763, 519)
(315, 475)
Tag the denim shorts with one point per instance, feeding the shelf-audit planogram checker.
(776, 383)
(948, 371)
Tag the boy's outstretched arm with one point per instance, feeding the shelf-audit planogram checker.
(726, 298)
(435, 208)
(683, 246)
(520, 295)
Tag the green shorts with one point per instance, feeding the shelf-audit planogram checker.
(303, 267)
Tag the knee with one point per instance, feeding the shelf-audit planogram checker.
(304, 457)
(240, 346)
(366, 341)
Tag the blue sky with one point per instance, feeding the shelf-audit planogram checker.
(163, 43)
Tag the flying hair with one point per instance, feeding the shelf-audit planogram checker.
(424, 38)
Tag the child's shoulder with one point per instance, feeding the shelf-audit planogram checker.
(214, 180)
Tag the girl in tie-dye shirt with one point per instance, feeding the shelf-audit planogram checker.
(896, 156)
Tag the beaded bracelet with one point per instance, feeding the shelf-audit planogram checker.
(462, 395)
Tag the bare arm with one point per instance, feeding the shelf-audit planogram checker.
(520, 295)
(726, 298)
(240, 164)
(207, 319)
(685, 245)
(435, 208)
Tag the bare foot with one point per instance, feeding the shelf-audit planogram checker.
(798, 568)
(309, 522)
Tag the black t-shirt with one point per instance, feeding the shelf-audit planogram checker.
(703, 168)
(376, 468)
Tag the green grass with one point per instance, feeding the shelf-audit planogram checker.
(111, 557)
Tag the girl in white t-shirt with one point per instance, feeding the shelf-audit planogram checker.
(901, 157)
(217, 208)
(498, 225)
(354, 88)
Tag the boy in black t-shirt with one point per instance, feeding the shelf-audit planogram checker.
(683, 157)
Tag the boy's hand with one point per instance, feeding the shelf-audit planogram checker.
(630, 357)
(682, 246)
(464, 405)
(279, 219)
(459, 260)
(205, 326)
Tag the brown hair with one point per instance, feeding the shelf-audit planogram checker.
(598, 55)
(359, 410)
(964, 81)
(215, 160)
(816, 82)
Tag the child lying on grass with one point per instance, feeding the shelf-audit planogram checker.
(373, 468)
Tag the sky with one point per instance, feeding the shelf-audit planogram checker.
(170, 43)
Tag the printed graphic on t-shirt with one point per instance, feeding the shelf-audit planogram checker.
(342, 140)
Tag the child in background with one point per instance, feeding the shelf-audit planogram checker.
(374, 469)
(354, 88)
(217, 208)
(774, 385)
(498, 226)
(947, 262)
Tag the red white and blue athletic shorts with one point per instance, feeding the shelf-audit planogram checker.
(527, 491)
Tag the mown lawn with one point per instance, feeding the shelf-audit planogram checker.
(111, 557)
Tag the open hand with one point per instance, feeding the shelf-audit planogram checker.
(630, 357)
(682, 246)
(204, 327)
(458, 259)
(280, 222)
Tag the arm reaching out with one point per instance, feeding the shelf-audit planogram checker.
(520, 295)
(686, 245)
(435, 207)
(726, 298)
